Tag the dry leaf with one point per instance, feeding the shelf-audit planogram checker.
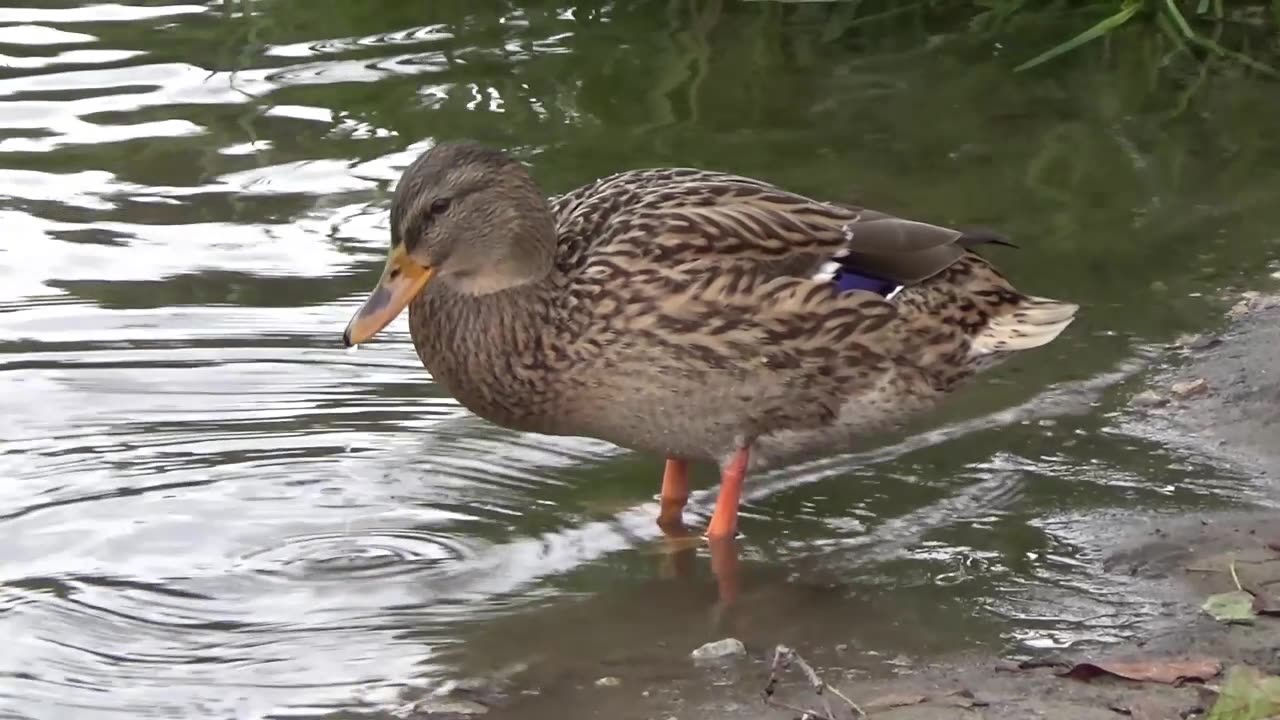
(894, 700)
(1168, 671)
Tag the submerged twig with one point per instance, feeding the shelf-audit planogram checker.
(783, 657)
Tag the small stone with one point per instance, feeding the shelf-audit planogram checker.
(719, 650)
(608, 682)
(1190, 388)
(901, 661)
(964, 698)
(474, 685)
(1149, 398)
(1198, 341)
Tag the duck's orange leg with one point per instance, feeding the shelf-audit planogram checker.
(724, 521)
(675, 494)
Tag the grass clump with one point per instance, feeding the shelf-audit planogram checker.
(1195, 26)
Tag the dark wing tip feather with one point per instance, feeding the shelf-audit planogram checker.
(908, 251)
(982, 236)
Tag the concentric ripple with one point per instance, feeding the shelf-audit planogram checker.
(357, 555)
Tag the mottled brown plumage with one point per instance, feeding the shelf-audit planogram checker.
(688, 313)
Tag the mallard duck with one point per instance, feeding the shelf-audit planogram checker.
(692, 314)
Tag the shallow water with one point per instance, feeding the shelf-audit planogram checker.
(210, 510)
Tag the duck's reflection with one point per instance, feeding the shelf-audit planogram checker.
(679, 551)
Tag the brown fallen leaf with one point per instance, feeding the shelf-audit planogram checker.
(1166, 670)
(893, 700)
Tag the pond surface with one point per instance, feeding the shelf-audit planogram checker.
(209, 510)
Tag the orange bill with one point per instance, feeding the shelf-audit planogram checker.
(402, 280)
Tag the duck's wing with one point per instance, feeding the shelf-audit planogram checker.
(653, 221)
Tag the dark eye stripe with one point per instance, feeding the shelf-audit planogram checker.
(417, 226)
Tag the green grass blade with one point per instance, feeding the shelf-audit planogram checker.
(1181, 22)
(1102, 28)
(1211, 45)
(1176, 37)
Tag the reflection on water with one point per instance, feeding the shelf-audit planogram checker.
(210, 510)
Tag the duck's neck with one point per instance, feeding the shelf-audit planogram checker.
(484, 349)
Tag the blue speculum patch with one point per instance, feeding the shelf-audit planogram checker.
(846, 280)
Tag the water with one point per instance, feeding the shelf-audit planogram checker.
(210, 510)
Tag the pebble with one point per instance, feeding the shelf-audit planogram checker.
(1149, 398)
(1251, 301)
(1189, 388)
(608, 682)
(1200, 341)
(1239, 310)
(719, 650)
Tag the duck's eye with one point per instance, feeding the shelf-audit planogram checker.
(439, 205)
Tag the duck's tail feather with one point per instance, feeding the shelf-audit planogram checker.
(1030, 323)
(975, 318)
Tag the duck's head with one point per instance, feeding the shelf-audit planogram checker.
(464, 215)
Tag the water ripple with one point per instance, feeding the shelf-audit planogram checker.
(337, 46)
(353, 555)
